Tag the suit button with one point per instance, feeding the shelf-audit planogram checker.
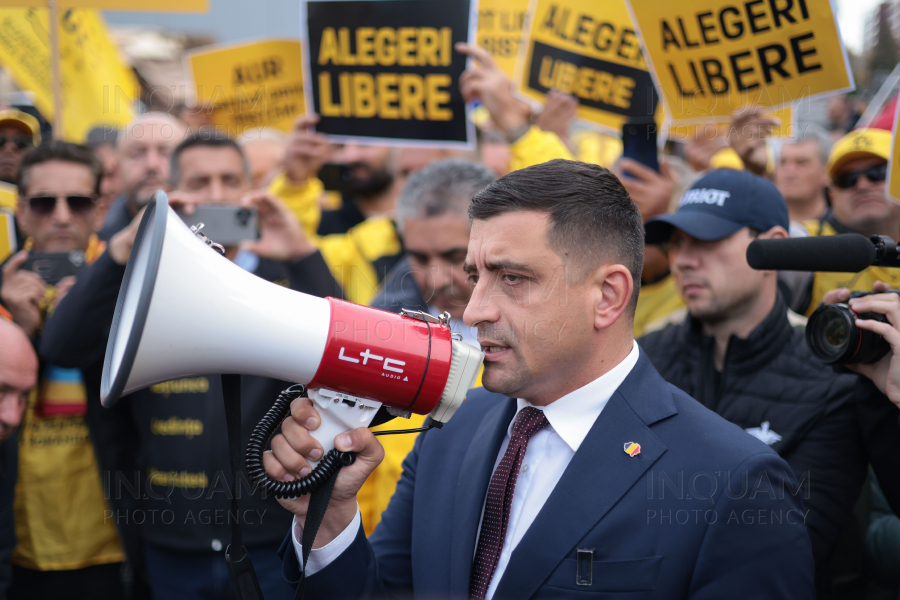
(216, 545)
(524, 468)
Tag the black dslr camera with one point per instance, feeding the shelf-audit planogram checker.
(833, 337)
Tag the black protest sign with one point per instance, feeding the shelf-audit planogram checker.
(386, 71)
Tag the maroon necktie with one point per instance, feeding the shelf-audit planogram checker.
(499, 500)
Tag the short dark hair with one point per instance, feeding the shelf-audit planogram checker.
(592, 216)
(204, 137)
(58, 150)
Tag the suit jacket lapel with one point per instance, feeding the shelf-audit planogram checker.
(599, 474)
(474, 478)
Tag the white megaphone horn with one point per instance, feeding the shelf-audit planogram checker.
(184, 309)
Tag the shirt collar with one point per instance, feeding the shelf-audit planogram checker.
(573, 415)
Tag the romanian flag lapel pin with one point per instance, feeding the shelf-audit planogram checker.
(632, 449)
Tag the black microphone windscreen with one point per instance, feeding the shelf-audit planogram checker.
(843, 253)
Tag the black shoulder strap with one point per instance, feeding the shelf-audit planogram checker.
(243, 577)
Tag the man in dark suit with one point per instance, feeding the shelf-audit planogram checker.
(583, 471)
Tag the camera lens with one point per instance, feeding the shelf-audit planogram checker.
(833, 337)
(831, 333)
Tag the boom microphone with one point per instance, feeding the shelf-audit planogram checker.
(843, 253)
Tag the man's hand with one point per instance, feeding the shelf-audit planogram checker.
(119, 247)
(295, 445)
(306, 150)
(885, 374)
(62, 288)
(489, 84)
(22, 293)
(560, 109)
(281, 237)
(651, 191)
(749, 130)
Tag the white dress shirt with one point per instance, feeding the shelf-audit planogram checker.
(548, 454)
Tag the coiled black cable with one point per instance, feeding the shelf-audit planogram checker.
(260, 437)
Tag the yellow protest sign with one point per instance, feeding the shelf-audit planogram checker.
(255, 84)
(385, 71)
(201, 6)
(893, 176)
(98, 89)
(590, 50)
(711, 58)
(500, 25)
(9, 196)
(682, 131)
(7, 234)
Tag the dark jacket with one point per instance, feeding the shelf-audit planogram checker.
(829, 426)
(163, 450)
(641, 541)
(340, 220)
(400, 291)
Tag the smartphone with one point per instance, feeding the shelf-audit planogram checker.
(225, 225)
(335, 177)
(53, 266)
(639, 143)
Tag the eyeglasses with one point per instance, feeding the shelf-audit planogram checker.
(845, 181)
(45, 205)
(20, 142)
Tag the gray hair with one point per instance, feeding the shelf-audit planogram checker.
(813, 132)
(444, 186)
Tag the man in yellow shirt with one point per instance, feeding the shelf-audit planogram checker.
(66, 547)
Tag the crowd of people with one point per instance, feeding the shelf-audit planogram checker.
(642, 324)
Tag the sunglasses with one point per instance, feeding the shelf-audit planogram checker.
(45, 205)
(20, 142)
(845, 181)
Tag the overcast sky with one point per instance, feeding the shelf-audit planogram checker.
(852, 15)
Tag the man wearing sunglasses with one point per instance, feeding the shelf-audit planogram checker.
(857, 169)
(18, 132)
(65, 545)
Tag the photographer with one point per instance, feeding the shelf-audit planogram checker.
(174, 433)
(885, 373)
(738, 354)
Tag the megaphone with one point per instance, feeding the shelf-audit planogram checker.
(184, 309)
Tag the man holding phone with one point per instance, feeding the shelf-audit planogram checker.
(64, 543)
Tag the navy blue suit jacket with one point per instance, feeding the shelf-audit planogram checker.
(704, 511)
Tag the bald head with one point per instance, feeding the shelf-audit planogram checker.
(18, 374)
(144, 149)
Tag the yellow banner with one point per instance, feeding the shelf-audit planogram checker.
(893, 178)
(590, 50)
(682, 131)
(258, 84)
(500, 25)
(200, 6)
(711, 58)
(97, 88)
(7, 234)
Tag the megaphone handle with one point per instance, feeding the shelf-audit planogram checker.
(263, 432)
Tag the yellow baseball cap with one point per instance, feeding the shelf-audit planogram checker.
(24, 121)
(859, 143)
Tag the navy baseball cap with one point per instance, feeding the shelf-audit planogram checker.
(720, 203)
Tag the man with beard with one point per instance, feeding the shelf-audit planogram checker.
(143, 151)
(370, 187)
